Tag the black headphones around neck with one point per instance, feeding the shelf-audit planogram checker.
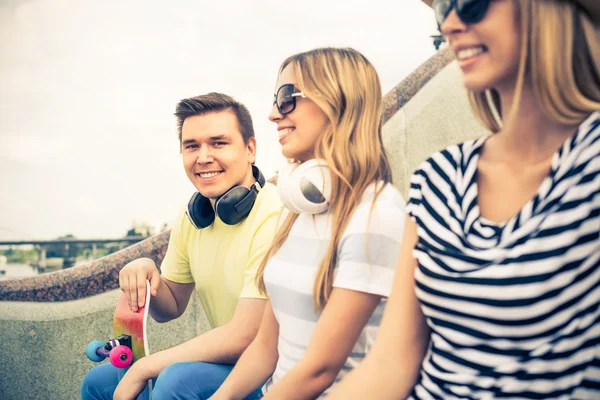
(232, 207)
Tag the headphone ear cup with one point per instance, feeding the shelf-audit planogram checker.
(232, 207)
(200, 211)
(235, 205)
(314, 178)
(307, 188)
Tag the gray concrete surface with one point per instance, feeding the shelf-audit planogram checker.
(437, 116)
(42, 345)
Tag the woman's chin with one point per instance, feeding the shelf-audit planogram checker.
(287, 154)
(291, 154)
(476, 84)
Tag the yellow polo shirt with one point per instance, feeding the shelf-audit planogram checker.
(221, 259)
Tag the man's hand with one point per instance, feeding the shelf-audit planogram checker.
(132, 280)
(132, 383)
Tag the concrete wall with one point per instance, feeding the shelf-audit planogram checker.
(437, 116)
(42, 345)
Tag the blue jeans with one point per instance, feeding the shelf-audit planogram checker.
(179, 381)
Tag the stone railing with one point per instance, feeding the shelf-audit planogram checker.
(93, 278)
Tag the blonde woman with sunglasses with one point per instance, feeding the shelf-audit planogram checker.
(498, 284)
(332, 262)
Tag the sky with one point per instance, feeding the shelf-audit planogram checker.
(88, 141)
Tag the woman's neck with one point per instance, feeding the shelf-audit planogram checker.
(527, 134)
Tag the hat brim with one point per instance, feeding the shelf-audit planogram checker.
(592, 7)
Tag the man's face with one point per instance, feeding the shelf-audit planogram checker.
(214, 154)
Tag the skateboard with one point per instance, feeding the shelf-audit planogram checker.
(129, 342)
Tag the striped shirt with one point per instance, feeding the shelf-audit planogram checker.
(367, 256)
(514, 307)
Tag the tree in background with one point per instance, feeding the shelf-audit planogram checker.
(69, 250)
(19, 256)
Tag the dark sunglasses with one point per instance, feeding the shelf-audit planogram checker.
(469, 11)
(285, 98)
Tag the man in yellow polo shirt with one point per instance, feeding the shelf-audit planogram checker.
(215, 247)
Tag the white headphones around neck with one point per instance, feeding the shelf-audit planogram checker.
(305, 188)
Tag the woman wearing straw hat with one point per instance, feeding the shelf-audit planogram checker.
(497, 288)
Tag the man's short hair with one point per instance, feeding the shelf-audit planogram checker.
(214, 102)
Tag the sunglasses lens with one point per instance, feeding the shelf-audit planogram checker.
(285, 101)
(472, 11)
(469, 11)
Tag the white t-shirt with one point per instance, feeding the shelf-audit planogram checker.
(367, 256)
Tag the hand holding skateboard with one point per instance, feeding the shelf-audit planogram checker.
(133, 278)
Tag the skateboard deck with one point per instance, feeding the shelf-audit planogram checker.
(133, 324)
(129, 342)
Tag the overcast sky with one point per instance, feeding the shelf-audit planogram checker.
(88, 89)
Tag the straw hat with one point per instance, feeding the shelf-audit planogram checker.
(592, 7)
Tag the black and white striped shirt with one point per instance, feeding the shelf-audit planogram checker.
(513, 308)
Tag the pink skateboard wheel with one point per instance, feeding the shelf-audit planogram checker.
(121, 356)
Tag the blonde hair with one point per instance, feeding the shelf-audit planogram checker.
(560, 52)
(346, 87)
